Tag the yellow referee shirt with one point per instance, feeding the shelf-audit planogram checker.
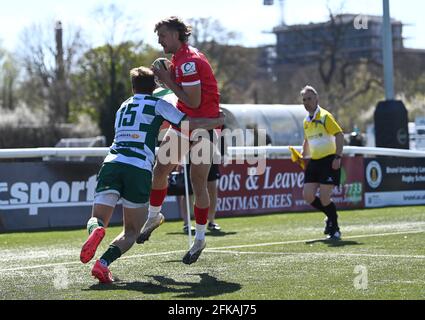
(320, 133)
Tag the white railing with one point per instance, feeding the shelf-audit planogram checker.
(232, 151)
(53, 152)
(284, 151)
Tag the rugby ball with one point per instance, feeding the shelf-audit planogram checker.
(164, 62)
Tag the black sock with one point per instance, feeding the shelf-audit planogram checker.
(318, 205)
(330, 211)
(112, 254)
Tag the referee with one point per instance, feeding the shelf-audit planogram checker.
(323, 142)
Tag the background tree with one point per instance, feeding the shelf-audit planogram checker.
(235, 67)
(348, 86)
(104, 81)
(409, 78)
(48, 57)
(103, 77)
(8, 80)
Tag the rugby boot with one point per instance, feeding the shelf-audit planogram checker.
(150, 225)
(90, 246)
(102, 273)
(195, 251)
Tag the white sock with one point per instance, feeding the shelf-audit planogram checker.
(154, 211)
(200, 231)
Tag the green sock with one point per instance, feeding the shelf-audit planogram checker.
(93, 223)
(112, 254)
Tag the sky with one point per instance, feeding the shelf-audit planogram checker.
(250, 19)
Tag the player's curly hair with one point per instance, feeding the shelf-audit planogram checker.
(175, 23)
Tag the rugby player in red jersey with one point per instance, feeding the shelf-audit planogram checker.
(191, 78)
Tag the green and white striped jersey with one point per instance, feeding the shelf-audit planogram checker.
(137, 125)
(166, 94)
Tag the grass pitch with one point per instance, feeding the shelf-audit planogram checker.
(272, 257)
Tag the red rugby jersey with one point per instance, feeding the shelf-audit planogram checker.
(191, 67)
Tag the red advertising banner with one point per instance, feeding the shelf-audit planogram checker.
(279, 189)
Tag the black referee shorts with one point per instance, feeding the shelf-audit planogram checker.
(320, 171)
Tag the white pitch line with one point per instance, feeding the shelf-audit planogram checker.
(217, 249)
(79, 263)
(324, 254)
(311, 240)
(40, 266)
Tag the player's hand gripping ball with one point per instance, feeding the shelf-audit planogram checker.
(164, 62)
(157, 64)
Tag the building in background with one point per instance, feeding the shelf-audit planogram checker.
(351, 36)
